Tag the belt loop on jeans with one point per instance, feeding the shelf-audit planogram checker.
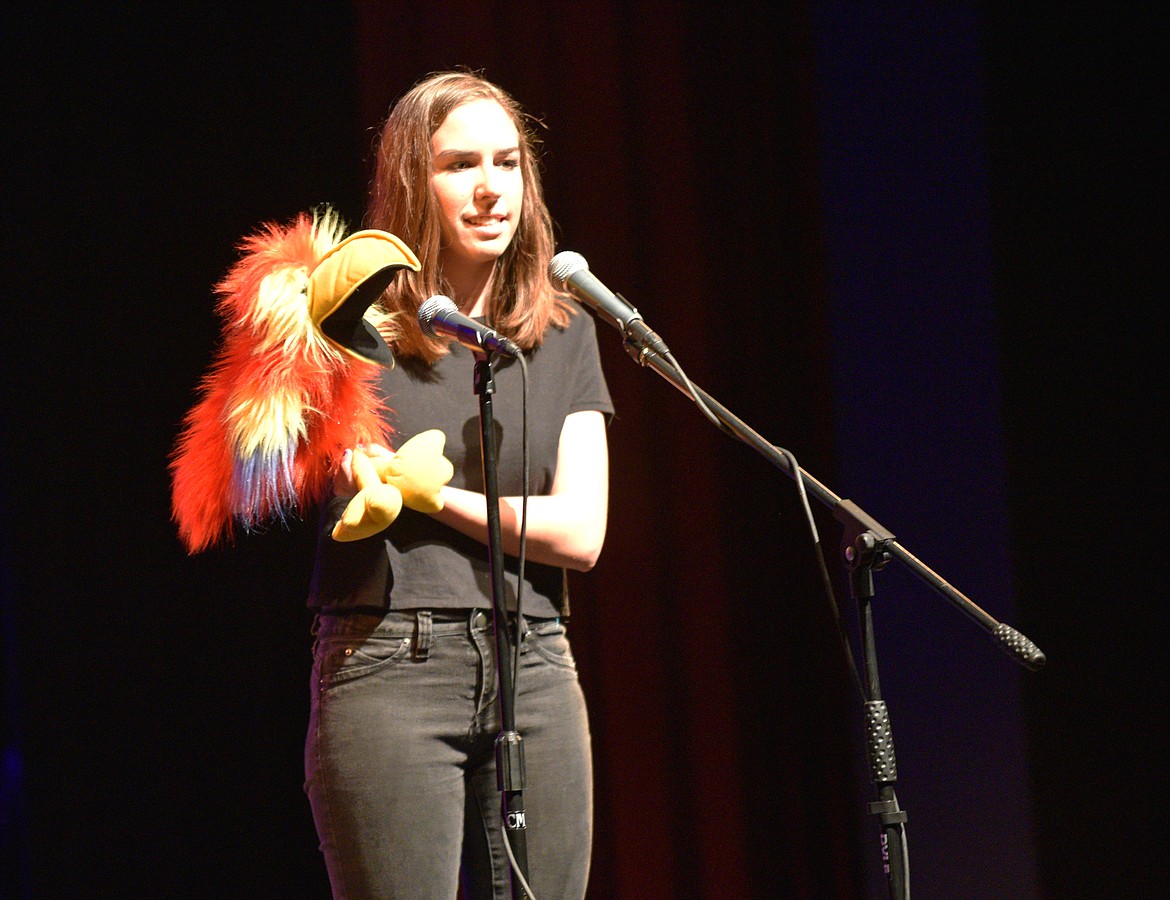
(423, 633)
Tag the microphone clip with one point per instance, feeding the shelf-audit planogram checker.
(641, 339)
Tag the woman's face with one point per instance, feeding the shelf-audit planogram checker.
(477, 181)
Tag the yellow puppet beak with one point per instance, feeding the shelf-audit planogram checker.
(347, 280)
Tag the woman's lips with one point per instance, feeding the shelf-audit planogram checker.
(486, 225)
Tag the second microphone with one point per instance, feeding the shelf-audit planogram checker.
(440, 317)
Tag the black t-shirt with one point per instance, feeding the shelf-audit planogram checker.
(420, 563)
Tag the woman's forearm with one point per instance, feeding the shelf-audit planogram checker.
(565, 527)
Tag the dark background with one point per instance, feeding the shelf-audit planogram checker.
(922, 247)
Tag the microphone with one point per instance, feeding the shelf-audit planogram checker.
(570, 272)
(440, 316)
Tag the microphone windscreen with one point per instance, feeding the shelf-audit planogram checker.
(564, 265)
(431, 308)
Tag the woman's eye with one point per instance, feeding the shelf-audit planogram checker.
(510, 163)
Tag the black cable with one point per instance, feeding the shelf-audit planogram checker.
(826, 581)
(798, 477)
(523, 548)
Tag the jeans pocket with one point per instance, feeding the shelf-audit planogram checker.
(550, 643)
(342, 659)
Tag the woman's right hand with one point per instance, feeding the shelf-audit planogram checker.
(344, 483)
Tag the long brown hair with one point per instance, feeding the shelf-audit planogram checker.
(523, 303)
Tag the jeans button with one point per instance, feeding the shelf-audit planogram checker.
(479, 620)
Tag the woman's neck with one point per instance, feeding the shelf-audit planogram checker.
(471, 286)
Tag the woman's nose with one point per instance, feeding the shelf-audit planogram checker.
(485, 185)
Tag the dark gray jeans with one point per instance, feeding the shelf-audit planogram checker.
(400, 757)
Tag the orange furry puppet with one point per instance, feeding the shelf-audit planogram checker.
(292, 386)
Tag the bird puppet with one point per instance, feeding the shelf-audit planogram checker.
(292, 388)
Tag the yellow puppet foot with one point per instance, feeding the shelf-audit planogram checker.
(372, 508)
(418, 470)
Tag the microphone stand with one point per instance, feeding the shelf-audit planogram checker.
(509, 749)
(866, 548)
(863, 545)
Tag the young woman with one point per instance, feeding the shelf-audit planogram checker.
(400, 758)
